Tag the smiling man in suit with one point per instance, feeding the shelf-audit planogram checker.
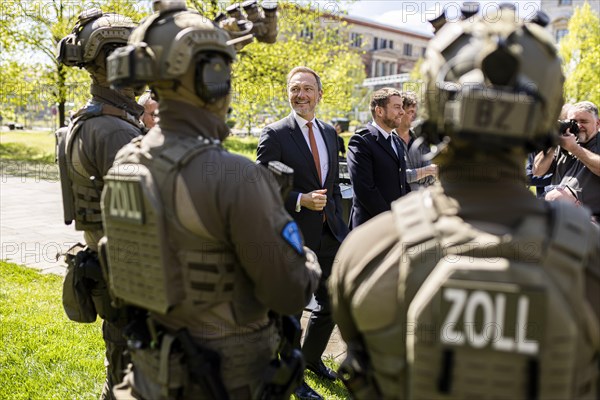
(376, 159)
(309, 146)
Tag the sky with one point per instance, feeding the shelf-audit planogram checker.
(413, 15)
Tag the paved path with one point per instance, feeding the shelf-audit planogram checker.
(32, 231)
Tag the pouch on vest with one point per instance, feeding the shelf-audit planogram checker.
(502, 317)
(76, 297)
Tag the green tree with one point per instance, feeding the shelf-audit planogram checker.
(20, 95)
(305, 38)
(580, 50)
(416, 80)
(29, 33)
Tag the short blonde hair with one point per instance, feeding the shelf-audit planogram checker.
(297, 70)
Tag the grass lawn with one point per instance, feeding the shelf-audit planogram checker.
(31, 153)
(34, 146)
(38, 146)
(44, 355)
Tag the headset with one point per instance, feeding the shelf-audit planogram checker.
(213, 76)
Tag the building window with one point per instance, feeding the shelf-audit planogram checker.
(376, 71)
(384, 43)
(306, 33)
(355, 39)
(565, 2)
(423, 50)
(560, 33)
(391, 44)
(375, 43)
(408, 49)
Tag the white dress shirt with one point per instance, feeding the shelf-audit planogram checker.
(386, 135)
(321, 146)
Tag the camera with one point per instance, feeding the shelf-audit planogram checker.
(569, 124)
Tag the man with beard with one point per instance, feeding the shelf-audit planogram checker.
(576, 162)
(415, 290)
(376, 160)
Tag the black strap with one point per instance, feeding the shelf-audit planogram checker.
(447, 366)
(533, 383)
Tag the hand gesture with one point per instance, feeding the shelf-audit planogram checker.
(315, 200)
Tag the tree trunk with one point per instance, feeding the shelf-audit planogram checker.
(61, 90)
(61, 114)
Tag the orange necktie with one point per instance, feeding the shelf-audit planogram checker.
(314, 150)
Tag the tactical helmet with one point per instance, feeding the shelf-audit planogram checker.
(492, 81)
(179, 53)
(94, 30)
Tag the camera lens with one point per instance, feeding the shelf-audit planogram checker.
(574, 128)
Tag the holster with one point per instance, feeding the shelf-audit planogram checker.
(163, 367)
(286, 371)
(354, 373)
(85, 293)
(174, 364)
(204, 368)
(76, 296)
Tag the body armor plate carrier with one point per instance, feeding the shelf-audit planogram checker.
(80, 193)
(481, 315)
(143, 232)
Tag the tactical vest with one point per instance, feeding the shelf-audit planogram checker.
(154, 262)
(480, 315)
(81, 194)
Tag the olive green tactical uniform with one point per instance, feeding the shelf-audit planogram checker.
(474, 288)
(93, 152)
(97, 142)
(196, 236)
(381, 249)
(99, 130)
(226, 204)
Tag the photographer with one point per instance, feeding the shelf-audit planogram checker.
(576, 162)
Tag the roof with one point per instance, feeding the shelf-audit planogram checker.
(372, 24)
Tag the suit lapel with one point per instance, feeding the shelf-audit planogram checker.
(382, 142)
(298, 138)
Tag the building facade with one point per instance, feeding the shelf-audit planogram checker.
(389, 53)
(388, 50)
(560, 11)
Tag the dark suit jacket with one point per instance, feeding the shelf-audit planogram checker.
(378, 176)
(283, 141)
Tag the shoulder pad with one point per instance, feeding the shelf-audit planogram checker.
(90, 110)
(362, 131)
